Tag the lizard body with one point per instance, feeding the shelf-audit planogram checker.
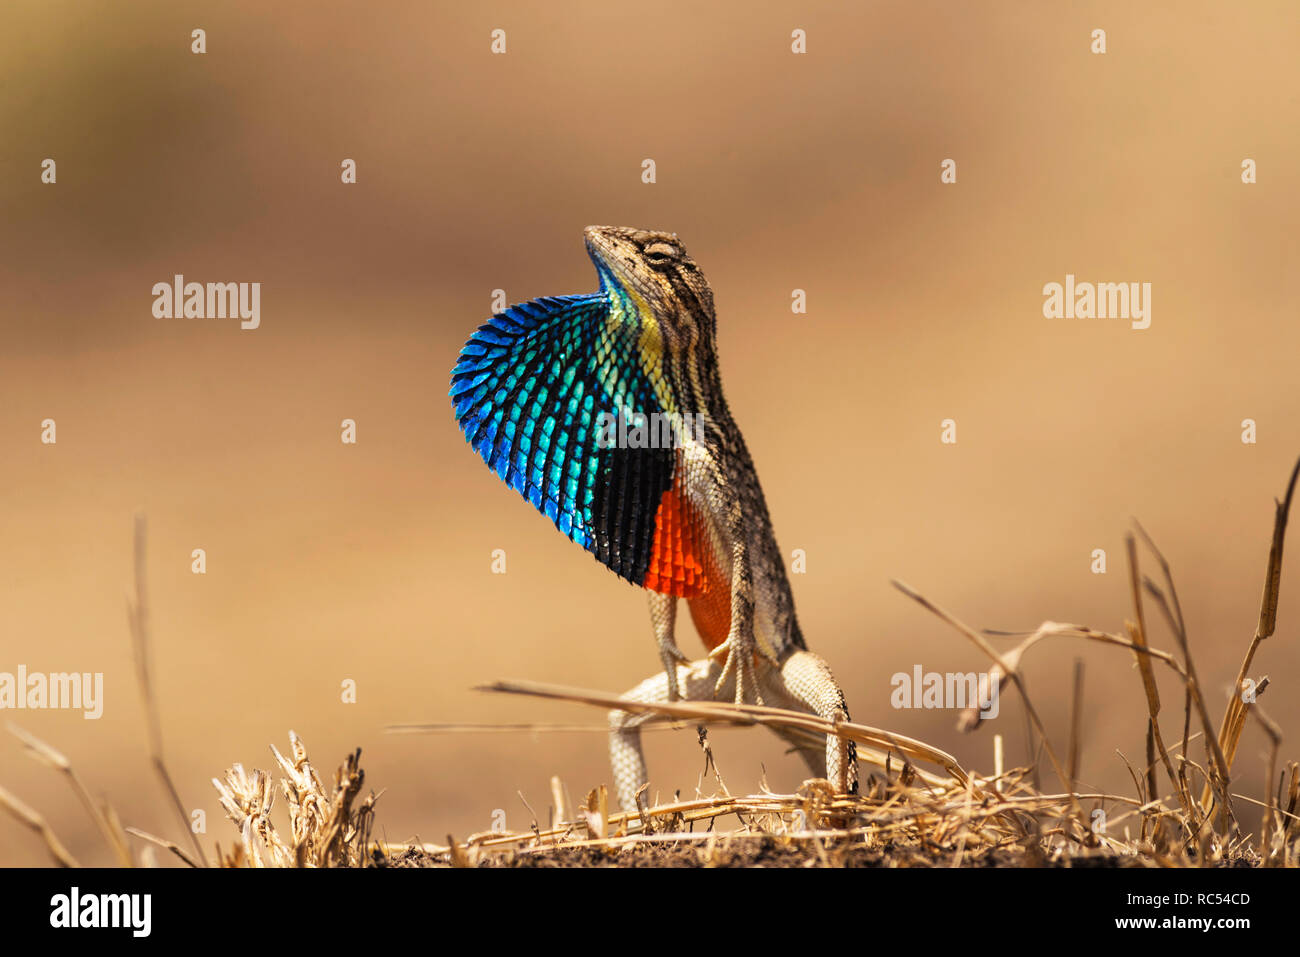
(555, 394)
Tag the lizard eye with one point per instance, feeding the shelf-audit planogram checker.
(659, 253)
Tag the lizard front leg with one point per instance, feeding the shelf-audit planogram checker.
(740, 646)
(663, 616)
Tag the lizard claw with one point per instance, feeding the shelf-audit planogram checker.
(672, 656)
(741, 659)
(670, 670)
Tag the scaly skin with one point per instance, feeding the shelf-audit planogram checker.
(688, 521)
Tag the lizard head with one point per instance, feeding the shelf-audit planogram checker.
(652, 271)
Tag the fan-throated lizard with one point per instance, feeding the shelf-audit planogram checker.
(606, 412)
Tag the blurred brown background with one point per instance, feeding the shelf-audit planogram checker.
(821, 172)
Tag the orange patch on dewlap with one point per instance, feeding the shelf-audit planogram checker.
(675, 562)
(682, 564)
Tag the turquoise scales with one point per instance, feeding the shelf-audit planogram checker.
(532, 391)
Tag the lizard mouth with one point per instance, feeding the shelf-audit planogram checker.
(613, 251)
(597, 242)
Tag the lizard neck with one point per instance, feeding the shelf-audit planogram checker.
(675, 346)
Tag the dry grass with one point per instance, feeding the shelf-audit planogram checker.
(324, 829)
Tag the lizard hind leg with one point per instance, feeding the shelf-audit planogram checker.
(626, 758)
